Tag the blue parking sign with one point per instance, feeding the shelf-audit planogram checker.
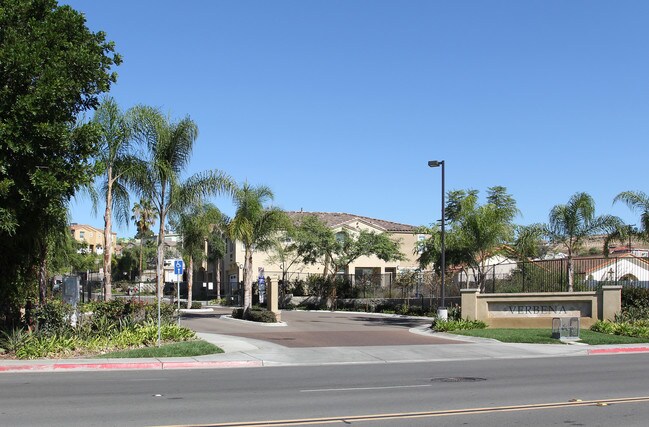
(178, 266)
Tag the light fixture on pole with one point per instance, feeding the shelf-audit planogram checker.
(442, 312)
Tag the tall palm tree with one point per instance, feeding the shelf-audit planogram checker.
(573, 222)
(169, 148)
(637, 201)
(196, 225)
(118, 162)
(255, 226)
(144, 218)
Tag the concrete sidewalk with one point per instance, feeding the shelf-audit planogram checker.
(245, 353)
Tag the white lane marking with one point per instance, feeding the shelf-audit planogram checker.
(365, 388)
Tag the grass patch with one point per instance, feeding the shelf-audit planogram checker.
(594, 338)
(544, 336)
(178, 349)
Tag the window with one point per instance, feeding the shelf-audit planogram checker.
(82, 234)
(420, 246)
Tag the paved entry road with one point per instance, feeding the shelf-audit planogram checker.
(320, 329)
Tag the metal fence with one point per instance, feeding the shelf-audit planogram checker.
(552, 275)
(406, 286)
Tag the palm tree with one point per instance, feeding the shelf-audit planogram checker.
(196, 225)
(573, 222)
(169, 147)
(144, 217)
(254, 226)
(117, 163)
(637, 201)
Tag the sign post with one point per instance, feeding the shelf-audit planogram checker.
(178, 271)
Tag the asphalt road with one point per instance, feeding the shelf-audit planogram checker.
(320, 329)
(534, 392)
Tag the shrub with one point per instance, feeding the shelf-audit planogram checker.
(635, 304)
(53, 316)
(195, 304)
(457, 325)
(12, 341)
(255, 315)
(639, 329)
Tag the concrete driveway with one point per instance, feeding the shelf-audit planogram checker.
(320, 329)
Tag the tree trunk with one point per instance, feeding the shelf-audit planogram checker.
(247, 281)
(190, 281)
(571, 277)
(141, 249)
(160, 263)
(108, 243)
(217, 279)
(42, 272)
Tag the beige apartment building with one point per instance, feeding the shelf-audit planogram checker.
(93, 237)
(233, 260)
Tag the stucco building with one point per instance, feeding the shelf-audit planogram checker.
(91, 236)
(233, 261)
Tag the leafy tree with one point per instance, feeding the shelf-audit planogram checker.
(570, 224)
(196, 226)
(144, 217)
(117, 162)
(52, 69)
(169, 147)
(284, 252)
(126, 264)
(637, 201)
(528, 243)
(476, 232)
(255, 226)
(318, 243)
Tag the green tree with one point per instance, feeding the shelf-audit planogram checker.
(570, 224)
(144, 218)
(52, 69)
(118, 162)
(476, 232)
(528, 242)
(336, 250)
(196, 226)
(255, 226)
(284, 252)
(637, 201)
(169, 147)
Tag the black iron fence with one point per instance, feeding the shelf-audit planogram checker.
(589, 274)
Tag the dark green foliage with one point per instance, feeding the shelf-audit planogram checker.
(101, 326)
(195, 304)
(53, 316)
(52, 69)
(455, 325)
(255, 314)
(635, 304)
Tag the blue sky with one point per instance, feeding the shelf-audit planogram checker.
(338, 105)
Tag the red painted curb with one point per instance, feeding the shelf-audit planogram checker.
(619, 350)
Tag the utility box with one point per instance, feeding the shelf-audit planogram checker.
(71, 286)
(565, 327)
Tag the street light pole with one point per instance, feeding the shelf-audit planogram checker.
(442, 312)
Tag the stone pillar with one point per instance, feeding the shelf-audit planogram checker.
(272, 298)
(469, 303)
(611, 302)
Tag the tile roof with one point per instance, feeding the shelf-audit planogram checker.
(334, 219)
